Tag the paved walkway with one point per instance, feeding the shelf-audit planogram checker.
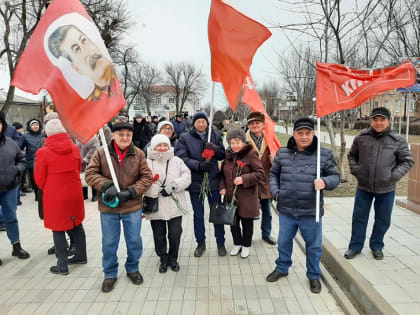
(325, 138)
(397, 277)
(206, 285)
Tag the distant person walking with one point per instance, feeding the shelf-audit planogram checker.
(378, 158)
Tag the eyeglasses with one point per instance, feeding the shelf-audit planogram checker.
(124, 135)
(166, 128)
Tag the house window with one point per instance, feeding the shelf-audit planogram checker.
(171, 100)
(157, 100)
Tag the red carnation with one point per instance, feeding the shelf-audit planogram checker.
(240, 163)
(156, 177)
(207, 154)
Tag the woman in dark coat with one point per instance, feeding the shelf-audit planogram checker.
(242, 168)
(57, 173)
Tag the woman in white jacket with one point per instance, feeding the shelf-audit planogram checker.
(174, 177)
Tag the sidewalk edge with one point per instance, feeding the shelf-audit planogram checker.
(332, 285)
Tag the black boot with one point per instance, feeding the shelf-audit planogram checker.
(19, 251)
(85, 193)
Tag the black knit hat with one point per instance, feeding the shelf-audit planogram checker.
(200, 115)
(304, 122)
(17, 125)
(255, 116)
(380, 111)
(236, 133)
(122, 125)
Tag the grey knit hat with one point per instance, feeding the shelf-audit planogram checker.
(49, 116)
(54, 127)
(236, 133)
(163, 123)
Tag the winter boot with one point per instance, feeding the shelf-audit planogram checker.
(19, 251)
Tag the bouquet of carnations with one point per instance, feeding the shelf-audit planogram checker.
(205, 185)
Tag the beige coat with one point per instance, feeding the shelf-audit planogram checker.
(178, 179)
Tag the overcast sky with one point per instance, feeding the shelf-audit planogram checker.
(173, 31)
(176, 30)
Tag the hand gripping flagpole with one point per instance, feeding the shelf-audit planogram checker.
(211, 112)
(108, 159)
(318, 165)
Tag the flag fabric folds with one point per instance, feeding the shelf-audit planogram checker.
(234, 38)
(67, 57)
(253, 100)
(340, 88)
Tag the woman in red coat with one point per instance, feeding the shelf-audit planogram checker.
(57, 174)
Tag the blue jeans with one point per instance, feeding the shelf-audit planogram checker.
(383, 209)
(111, 230)
(265, 217)
(198, 208)
(8, 208)
(312, 235)
(1, 217)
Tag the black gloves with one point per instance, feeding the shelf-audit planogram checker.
(204, 166)
(125, 196)
(110, 194)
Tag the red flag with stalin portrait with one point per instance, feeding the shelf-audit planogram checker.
(234, 38)
(340, 88)
(67, 57)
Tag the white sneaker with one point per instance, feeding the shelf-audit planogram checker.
(235, 250)
(245, 252)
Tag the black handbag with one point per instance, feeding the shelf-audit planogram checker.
(223, 213)
(150, 205)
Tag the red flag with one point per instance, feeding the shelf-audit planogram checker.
(67, 57)
(234, 38)
(252, 99)
(339, 88)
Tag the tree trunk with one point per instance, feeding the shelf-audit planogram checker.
(9, 99)
(330, 129)
(342, 150)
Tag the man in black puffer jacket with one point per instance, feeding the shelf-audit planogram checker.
(378, 158)
(293, 184)
(12, 166)
(190, 148)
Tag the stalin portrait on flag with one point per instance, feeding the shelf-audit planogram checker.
(67, 57)
(67, 43)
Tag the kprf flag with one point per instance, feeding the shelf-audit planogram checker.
(67, 57)
(253, 100)
(234, 38)
(339, 88)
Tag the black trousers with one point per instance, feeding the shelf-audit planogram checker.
(162, 230)
(244, 237)
(32, 180)
(78, 235)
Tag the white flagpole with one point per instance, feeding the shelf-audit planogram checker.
(211, 112)
(407, 129)
(318, 166)
(108, 159)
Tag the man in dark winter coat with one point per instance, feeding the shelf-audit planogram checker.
(190, 148)
(12, 166)
(33, 139)
(378, 158)
(180, 125)
(293, 184)
(141, 132)
(255, 136)
(218, 122)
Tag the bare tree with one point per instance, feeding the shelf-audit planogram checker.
(269, 94)
(19, 19)
(187, 80)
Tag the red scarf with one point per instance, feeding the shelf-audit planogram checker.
(121, 155)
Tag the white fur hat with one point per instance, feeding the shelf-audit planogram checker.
(54, 127)
(158, 139)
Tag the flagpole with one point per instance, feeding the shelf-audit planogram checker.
(407, 129)
(108, 159)
(211, 112)
(318, 166)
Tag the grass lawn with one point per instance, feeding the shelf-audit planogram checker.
(348, 188)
